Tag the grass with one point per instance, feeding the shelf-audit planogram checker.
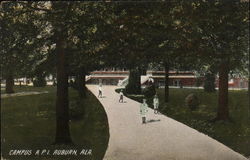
(24, 88)
(234, 134)
(28, 122)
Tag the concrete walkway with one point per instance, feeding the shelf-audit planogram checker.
(162, 138)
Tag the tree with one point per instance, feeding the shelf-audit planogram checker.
(130, 46)
(170, 33)
(56, 23)
(87, 41)
(222, 40)
(209, 80)
(19, 38)
(63, 31)
(59, 23)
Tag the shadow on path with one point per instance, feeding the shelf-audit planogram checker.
(153, 120)
(123, 102)
(102, 97)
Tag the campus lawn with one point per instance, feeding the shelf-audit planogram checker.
(234, 134)
(28, 122)
(25, 88)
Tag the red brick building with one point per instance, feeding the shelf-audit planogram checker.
(114, 77)
(176, 78)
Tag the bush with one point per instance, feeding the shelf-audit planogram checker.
(39, 82)
(192, 101)
(149, 91)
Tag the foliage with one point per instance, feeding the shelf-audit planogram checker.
(149, 91)
(184, 34)
(20, 47)
(221, 32)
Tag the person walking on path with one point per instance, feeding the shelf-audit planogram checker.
(143, 111)
(100, 91)
(156, 104)
(121, 97)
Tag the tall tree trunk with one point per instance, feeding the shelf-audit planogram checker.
(166, 66)
(62, 102)
(83, 76)
(209, 82)
(0, 92)
(223, 110)
(84, 84)
(9, 84)
(54, 80)
(249, 83)
(80, 82)
(134, 81)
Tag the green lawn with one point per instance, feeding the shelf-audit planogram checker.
(28, 122)
(24, 88)
(235, 134)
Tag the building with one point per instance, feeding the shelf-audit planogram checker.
(176, 78)
(106, 77)
(113, 77)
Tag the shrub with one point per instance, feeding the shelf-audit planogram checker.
(192, 101)
(149, 91)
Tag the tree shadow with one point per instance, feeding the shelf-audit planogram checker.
(123, 102)
(157, 113)
(153, 120)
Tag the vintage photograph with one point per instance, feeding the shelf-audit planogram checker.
(125, 80)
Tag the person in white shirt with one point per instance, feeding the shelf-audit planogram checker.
(121, 97)
(100, 91)
(143, 111)
(156, 104)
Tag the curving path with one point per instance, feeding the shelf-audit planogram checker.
(160, 139)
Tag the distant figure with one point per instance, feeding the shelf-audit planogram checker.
(156, 104)
(100, 91)
(143, 111)
(121, 97)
